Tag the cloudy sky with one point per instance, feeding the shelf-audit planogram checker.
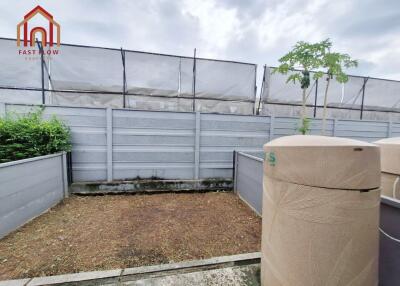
(256, 31)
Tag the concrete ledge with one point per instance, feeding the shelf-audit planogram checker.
(390, 201)
(151, 186)
(234, 259)
(76, 277)
(118, 275)
(19, 282)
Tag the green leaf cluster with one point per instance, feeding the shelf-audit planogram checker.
(334, 64)
(305, 126)
(30, 135)
(306, 57)
(316, 56)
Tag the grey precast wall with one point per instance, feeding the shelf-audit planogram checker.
(115, 144)
(248, 179)
(29, 187)
(389, 259)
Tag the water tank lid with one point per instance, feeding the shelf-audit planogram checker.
(322, 161)
(389, 141)
(316, 140)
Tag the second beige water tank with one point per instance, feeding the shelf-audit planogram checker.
(320, 212)
(390, 165)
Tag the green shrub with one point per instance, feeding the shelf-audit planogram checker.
(29, 136)
(305, 126)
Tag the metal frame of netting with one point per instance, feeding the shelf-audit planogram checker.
(126, 76)
(359, 93)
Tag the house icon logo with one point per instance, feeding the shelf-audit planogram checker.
(30, 33)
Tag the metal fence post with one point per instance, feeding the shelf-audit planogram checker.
(2, 109)
(389, 129)
(197, 146)
(109, 132)
(316, 98)
(271, 127)
(123, 79)
(69, 168)
(363, 97)
(41, 51)
(255, 91)
(235, 169)
(64, 174)
(260, 100)
(335, 123)
(194, 82)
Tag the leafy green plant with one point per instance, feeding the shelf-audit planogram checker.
(29, 136)
(305, 126)
(306, 57)
(334, 63)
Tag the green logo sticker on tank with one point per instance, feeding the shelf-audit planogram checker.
(270, 158)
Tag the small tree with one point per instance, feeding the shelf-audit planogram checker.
(306, 57)
(334, 63)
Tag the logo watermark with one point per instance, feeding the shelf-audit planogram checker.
(30, 46)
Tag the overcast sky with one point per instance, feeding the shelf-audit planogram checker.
(256, 31)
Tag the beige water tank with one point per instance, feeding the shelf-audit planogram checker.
(320, 212)
(390, 165)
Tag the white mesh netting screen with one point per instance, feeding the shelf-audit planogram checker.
(226, 80)
(153, 74)
(17, 70)
(384, 93)
(87, 69)
(91, 76)
(341, 95)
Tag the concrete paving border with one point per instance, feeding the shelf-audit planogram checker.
(127, 274)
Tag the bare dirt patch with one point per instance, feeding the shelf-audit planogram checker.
(107, 232)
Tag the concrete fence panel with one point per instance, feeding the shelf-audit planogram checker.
(153, 144)
(393, 129)
(362, 130)
(248, 178)
(116, 144)
(89, 138)
(29, 187)
(220, 135)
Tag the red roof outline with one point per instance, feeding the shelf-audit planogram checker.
(39, 9)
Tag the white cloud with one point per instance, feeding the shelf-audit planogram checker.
(217, 26)
(258, 31)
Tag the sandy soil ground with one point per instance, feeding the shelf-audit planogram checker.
(107, 232)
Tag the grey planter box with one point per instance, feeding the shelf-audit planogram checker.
(389, 258)
(29, 187)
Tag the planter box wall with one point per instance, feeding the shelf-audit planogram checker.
(389, 259)
(30, 187)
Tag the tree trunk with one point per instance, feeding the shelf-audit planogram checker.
(303, 107)
(303, 116)
(328, 80)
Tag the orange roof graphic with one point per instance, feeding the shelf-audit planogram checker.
(38, 10)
